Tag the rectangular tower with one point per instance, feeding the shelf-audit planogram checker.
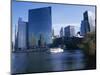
(69, 31)
(39, 25)
(22, 34)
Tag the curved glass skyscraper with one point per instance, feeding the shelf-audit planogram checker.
(88, 23)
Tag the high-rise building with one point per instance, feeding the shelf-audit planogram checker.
(22, 34)
(61, 32)
(53, 34)
(15, 39)
(88, 23)
(39, 23)
(69, 31)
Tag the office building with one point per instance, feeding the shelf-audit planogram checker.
(39, 24)
(88, 23)
(69, 31)
(61, 32)
(22, 34)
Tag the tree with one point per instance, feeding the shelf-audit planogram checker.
(89, 43)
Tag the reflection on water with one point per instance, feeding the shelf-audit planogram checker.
(45, 61)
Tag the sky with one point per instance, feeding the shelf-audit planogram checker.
(62, 14)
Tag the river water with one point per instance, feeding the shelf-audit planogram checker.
(34, 62)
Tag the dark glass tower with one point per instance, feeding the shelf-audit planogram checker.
(86, 23)
(39, 24)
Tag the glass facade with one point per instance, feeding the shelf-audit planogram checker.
(88, 23)
(22, 34)
(40, 24)
(69, 31)
(61, 32)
